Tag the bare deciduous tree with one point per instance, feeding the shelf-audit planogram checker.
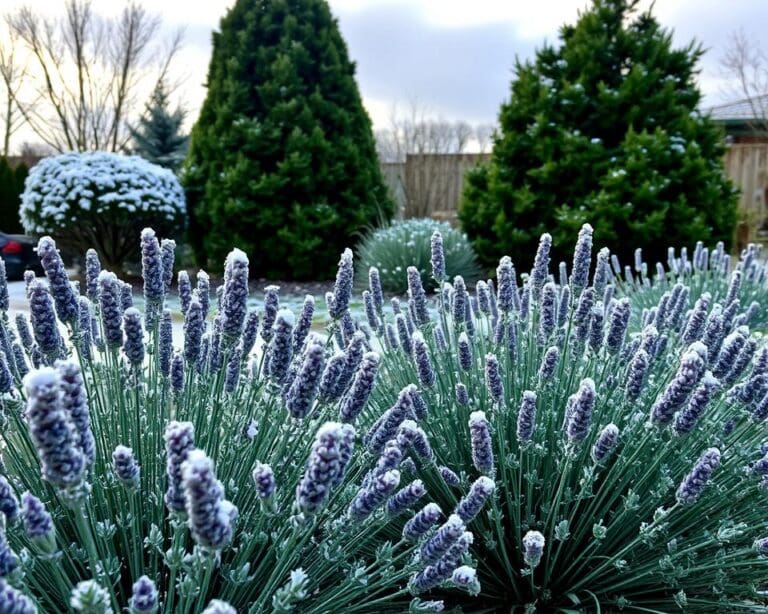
(88, 73)
(13, 71)
(746, 64)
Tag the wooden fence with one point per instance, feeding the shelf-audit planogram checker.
(429, 185)
(746, 164)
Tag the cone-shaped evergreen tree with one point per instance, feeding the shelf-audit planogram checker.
(282, 160)
(602, 129)
(157, 137)
(11, 187)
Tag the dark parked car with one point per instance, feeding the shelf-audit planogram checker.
(19, 253)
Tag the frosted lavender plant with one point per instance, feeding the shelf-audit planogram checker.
(563, 306)
(493, 379)
(533, 548)
(580, 419)
(125, 467)
(732, 345)
(459, 301)
(92, 271)
(411, 436)
(167, 256)
(235, 298)
(548, 364)
(14, 601)
(635, 379)
(482, 444)
(606, 442)
(324, 468)
(596, 328)
(462, 395)
(165, 343)
(342, 290)
(389, 422)
(617, 328)
(61, 288)
(111, 311)
(602, 271)
(179, 442)
(548, 311)
(264, 480)
(185, 290)
(421, 522)
(371, 497)
(193, 331)
(406, 497)
(686, 419)
(506, 278)
(304, 388)
(9, 505)
(144, 597)
(423, 362)
(204, 291)
(432, 575)
(676, 393)
(281, 346)
(133, 346)
(38, 524)
(417, 295)
(355, 400)
(403, 336)
(74, 401)
(437, 258)
(210, 516)
(151, 268)
(540, 268)
(271, 303)
(22, 328)
(582, 257)
(480, 491)
(526, 417)
(581, 315)
(52, 431)
(126, 295)
(445, 536)
(44, 324)
(234, 364)
(695, 482)
(694, 326)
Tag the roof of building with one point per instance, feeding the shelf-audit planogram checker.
(746, 110)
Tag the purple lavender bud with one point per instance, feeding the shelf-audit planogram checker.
(377, 293)
(526, 417)
(580, 418)
(52, 430)
(391, 419)
(22, 328)
(179, 442)
(714, 332)
(133, 346)
(264, 479)
(421, 522)
(370, 310)
(540, 269)
(177, 373)
(548, 364)
(22, 368)
(617, 328)
(125, 290)
(355, 400)
(74, 401)
(533, 548)
(14, 601)
(61, 288)
(606, 442)
(125, 467)
(582, 257)
(44, 324)
(417, 295)
(602, 271)
(695, 482)
(675, 316)
(433, 575)
(6, 377)
(483, 297)
(185, 290)
(271, 306)
(165, 343)
(465, 352)
(168, 256)
(437, 257)
(525, 302)
(635, 379)
(403, 336)
(324, 468)
(111, 311)
(151, 268)
(410, 435)
(210, 516)
(482, 446)
(83, 336)
(462, 395)
(423, 362)
(4, 298)
(761, 546)
(440, 342)
(677, 391)
(204, 291)
(342, 290)
(581, 315)
(596, 328)
(370, 498)
(733, 287)
(493, 379)
(564, 306)
(460, 298)
(548, 310)
(144, 597)
(752, 311)
(445, 536)
(215, 353)
(729, 315)
(694, 326)
(352, 359)
(8, 559)
(449, 476)
(304, 388)
(406, 497)
(506, 279)
(235, 297)
(232, 375)
(469, 321)
(9, 504)
(742, 360)
(38, 524)
(729, 351)
(92, 271)
(686, 420)
(193, 331)
(480, 491)
(331, 374)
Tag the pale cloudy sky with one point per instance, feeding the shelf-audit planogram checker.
(454, 57)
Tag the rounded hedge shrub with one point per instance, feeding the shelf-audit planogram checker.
(393, 248)
(102, 200)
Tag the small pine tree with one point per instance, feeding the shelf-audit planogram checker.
(282, 160)
(157, 137)
(602, 129)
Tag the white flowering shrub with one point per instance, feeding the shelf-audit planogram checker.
(101, 200)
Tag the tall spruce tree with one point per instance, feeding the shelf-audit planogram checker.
(282, 160)
(603, 128)
(158, 137)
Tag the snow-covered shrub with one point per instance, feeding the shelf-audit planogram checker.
(101, 200)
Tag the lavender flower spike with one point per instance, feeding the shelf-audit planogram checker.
(204, 291)
(482, 446)
(133, 346)
(43, 318)
(361, 388)
(14, 601)
(505, 276)
(548, 364)
(185, 290)
(438, 257)
(151, 268)
(210, 516)
(676, 393)
(4, 298)
(264, 479)
(635, 379)
(406, 497)
(193, 331)
(61, 288)
(342, 290)
(695, 482)
(217, 606)
(606, 442)
(493, 379)
(581, 414)
(177, 373)
(526, 417)
(281, 347)
(421, 522)
(324, 468)
(540, 265)
(417, 295)
(301, 330)
(38, 524)
(304, 388)
(235, 299)
(423, 362)
(469, 507)
(582, 257)
(371, 497)
(686, 420)
(9, 504)
(167, 256)
(179, 442)
(52, 431)
(74, 401)
(165, 343)
(125, 467)
(533, 548)
(437, 545)
(144, 597)
(92, 270)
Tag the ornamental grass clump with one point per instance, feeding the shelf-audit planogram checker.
(600, 433)
(226, 474)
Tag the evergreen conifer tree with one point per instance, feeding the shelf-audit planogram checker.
(157, 137)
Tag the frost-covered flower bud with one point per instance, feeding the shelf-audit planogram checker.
(232, 374)
(126, 296)
(714, 332)
(582, 257)
(111, 310)
(617, 328)
(235, 298)
(144, 597)
(22, 328)
(548, 364)
(636, 373)
(423, 362)
(125, 467)
(676, 393)
(421, 522)
(179, 442)
(564, 306)
(440, 342)
(165, 343)
(304, 388)
(686, 420)
(264, 480)
(168, 257)
(193, 331)
(445, 536)
(483, 297)
(133, 346)
(185, 290)
(38, 524)
(52, 430)
(482, 445)
(462, 395)
(92, 271)
(330, 377)
(459, 300)
(14, 601)
(43, 318)
(371, 497)
(204, 291)
(581, 413)
(377, 293)
(437, 256)
(151, 267)
(85, 316)
(210, 516)
(385, 429)
(533, 548)
(493, 379)
(406, 497)
(20, 360)
(602, 271)
(729, 351)
(177, 373)
(61, 288)
(342, 290)
(596, 328)
(742, 360)
(403, 336)
(449, 476)
(507, 283)
(548, 310)
(581, 315)
(74, 401)
(695, 482)
(324, 468)
(361, 388)
(606, 442)
(480, 491)
(540, 269)
(9, 504)
(417, 295)
(6, 377)
(526, 417)
(217, 606)
(694, 326)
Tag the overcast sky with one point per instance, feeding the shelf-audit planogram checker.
(454, 57)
